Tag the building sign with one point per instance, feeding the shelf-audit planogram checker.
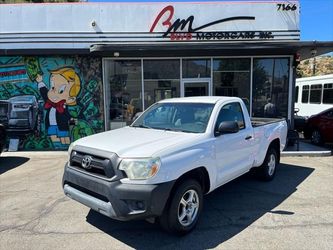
(84, 24)
(182, 29)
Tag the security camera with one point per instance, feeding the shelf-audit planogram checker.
(93, 23)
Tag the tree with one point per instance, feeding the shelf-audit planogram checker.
(323, 66)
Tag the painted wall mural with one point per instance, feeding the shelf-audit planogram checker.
(48, 102)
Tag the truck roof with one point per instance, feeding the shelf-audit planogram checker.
(200, 99)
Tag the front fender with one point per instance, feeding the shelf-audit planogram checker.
(177, 163)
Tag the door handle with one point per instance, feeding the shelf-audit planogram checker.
(248, 137)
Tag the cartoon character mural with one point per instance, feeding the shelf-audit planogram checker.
(68, 90)
(65, 85)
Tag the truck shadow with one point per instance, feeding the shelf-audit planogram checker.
(227, 212)
(9, 162)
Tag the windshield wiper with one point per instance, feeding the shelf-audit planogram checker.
(177, 130)
(141, 126)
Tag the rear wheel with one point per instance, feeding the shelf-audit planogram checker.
(267, 170)
(316, 137)
(184, 208)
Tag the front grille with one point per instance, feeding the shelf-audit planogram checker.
(20, 114)
(89, 192)
(99, 166)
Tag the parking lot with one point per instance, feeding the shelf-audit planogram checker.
(295, 211)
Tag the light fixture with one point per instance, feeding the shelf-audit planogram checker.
(116, 54)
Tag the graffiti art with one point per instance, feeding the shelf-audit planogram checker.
(48, 102)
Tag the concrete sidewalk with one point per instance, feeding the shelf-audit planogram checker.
(306, 149)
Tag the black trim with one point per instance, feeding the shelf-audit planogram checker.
(214, 48)
(179, 49)
(122, 196)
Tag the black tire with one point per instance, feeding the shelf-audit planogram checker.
(170, 220)
(266, 171)
(316, 137)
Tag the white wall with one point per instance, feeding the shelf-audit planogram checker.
(69, 25)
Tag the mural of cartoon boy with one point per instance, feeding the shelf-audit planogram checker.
(65, 85)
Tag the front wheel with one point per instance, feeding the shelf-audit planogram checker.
(184, 208)
(267, 170)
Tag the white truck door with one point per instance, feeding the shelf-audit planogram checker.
(233, 151)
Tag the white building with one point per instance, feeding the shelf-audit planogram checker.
(126, 56)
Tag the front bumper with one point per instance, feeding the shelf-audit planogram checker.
(115, 199)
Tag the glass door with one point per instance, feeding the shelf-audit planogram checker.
(196, 87)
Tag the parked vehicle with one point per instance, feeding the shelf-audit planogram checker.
(299, 121)
(19, 113)
(319, 128)
(2, 137)
(174, 153)
(313, 94)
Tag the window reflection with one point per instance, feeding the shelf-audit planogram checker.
(124, 80)
(232, 78)
(161, 80)
(196, 68)
(270, 87)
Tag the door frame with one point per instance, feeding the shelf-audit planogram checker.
(196, 80)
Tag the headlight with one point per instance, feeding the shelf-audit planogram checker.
(140, 169)
(70, 148)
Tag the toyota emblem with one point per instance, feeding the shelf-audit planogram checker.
(86, 161)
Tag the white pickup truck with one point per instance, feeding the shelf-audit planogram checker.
(173, 153)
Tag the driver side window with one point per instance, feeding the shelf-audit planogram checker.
(231, 112)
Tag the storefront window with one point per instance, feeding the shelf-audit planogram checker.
(196, 68)
(161, 80)
(231, 77)
(270, 87)
(124, 79)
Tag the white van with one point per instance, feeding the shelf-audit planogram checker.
(313, 94)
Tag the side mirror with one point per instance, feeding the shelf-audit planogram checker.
(227, 127)
(296, 110)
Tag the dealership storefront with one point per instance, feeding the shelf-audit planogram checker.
(134, 84)
(106, 62)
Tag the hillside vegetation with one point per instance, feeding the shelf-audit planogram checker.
(323, 66)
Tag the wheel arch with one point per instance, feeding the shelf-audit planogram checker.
(276, 145)
(199, 174)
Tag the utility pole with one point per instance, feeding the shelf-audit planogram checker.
(314, 66)
(313, 53)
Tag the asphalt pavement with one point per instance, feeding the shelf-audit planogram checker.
(294, 211)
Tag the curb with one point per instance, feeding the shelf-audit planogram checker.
(306, 153)
(36, 153)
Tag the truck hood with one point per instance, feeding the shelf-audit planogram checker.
(135, 142)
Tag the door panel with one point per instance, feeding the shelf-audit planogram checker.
(234, 152)
(233, 155)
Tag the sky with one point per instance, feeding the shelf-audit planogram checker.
(316, 19)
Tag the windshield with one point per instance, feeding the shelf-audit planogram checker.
(184, 117)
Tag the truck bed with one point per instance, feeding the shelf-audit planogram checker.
(260, 121)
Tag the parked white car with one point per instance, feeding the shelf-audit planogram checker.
(174, 153)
